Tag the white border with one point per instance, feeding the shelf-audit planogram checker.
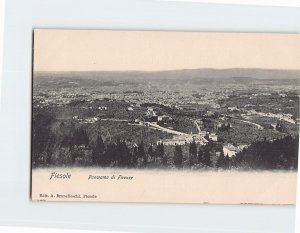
(44, 230)
(58, 20)
(288, 3)
(2, 16)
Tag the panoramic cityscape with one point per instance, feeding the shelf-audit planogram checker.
(190, 119)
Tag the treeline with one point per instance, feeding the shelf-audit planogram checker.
(78, 150)
(277, 154)
(64, 144)
(58, 144)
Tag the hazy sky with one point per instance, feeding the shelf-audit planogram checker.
(86, 50)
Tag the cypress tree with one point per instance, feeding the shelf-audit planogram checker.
(109, 155)
(80, 137)
(160, 150)
(192, 153)
(178, 156)
(98, 151)
(221, 160)
(200, 156)
(124, 154)
(142, 153)
(206, 156)
(135, 155)
(141, 150)
(150, 151)
(227, 162)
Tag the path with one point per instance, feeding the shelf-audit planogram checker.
(252, 123)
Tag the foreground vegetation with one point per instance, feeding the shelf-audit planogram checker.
(66, 144)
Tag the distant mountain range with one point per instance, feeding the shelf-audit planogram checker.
(238, 74)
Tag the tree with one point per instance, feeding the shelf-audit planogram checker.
(277, 154)
(233, 161)
(123, 154)
(200, 156)
(192, 153)
(178, 156)
(228, 126)
(80, 137)
(206, 156)
(62, 156)
(224, 127)
(142, 154)
(281, 127)
(109, 154)
(118, 153)
(42, 137)
(151, 151)
(160, 150)
(81, 156)
(135, 156)
(141, 150)
(67, 131)
(221, 160)
(227, 162)
(98, 151)
(207, 137)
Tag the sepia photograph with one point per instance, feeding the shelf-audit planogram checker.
(165, 117)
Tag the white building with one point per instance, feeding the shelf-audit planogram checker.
(229, 150)
(164, 118)
(183, 139)
(213, 137)
(102, 108)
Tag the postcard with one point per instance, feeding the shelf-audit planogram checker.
(165, 117)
